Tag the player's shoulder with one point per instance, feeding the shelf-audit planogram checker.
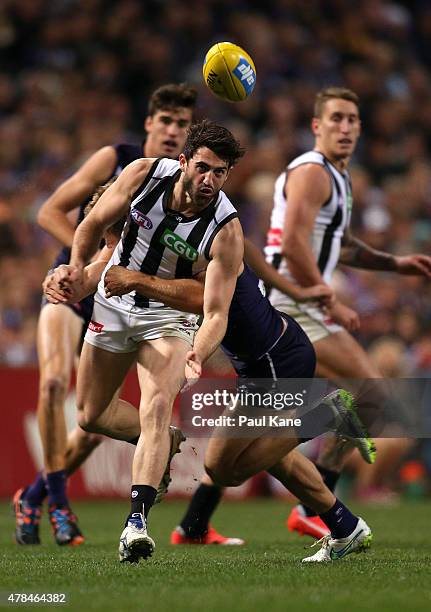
(156, 167)
(146, 168)
(165, 166)
(309, 157)
(140, 165)
(224, 207)
(309, 170)
(230, 232)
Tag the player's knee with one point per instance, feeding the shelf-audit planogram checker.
(87, 422)
(223, 477)
(157, 415)
(53, 390)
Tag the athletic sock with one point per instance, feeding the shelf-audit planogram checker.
(56, 485)
(201, 507)
(339, 520)
(37, 491)
(142, 499)
(330, 478)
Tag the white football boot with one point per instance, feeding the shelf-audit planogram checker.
(334, 550)
(135, 543)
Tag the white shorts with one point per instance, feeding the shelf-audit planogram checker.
(121, 330)
(313, 320)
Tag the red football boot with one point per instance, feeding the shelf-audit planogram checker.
(211, 537)
(308, 525)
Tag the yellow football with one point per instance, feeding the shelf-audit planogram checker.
(229, 72)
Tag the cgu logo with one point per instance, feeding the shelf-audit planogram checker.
(178, 245)
(141, 219)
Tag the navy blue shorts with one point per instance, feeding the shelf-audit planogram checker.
(292, 357)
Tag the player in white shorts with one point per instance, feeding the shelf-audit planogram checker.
(179, 224)
(308, 237)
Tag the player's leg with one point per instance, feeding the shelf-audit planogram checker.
(341, 359)
(231, 460)
(341, 531)
(58, 336)
(194, 527)
(59, 333)
(99, 409)
(80, 445)
(123, 425)
(161, 365)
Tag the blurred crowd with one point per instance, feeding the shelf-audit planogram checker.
(76, 74)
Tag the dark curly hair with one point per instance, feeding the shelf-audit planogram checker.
(216, 138)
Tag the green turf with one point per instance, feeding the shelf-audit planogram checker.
(266, 575)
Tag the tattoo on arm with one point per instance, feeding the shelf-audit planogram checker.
(358, 254)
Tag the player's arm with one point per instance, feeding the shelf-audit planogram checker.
(110, 207)
(62, 286)
(306, 190)
(226, 254)
(53, 214)
(255, 259)
(185, 294)
(358, 254)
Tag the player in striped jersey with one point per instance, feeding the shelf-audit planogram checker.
(180, 224)
(261, 343)
(309, 235)
(60, 328)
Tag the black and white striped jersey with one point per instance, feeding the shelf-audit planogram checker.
(163, 242)
(329, 226)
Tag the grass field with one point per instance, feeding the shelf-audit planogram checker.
(264, 575)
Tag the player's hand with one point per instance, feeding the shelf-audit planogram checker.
(192, 370)
(324, 294)
(344, 316)
(117, 281)
(414, 264)
(52, 291)
(64, 285)
(67, 276)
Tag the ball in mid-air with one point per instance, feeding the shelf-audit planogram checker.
(229, 72)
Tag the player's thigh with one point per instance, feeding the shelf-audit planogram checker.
(58, 337)
(346, 363)
(161, 364)
(340, 355)
(100, 376)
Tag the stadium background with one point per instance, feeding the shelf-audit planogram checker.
(75, 75)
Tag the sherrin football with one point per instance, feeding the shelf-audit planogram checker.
(229, 72)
